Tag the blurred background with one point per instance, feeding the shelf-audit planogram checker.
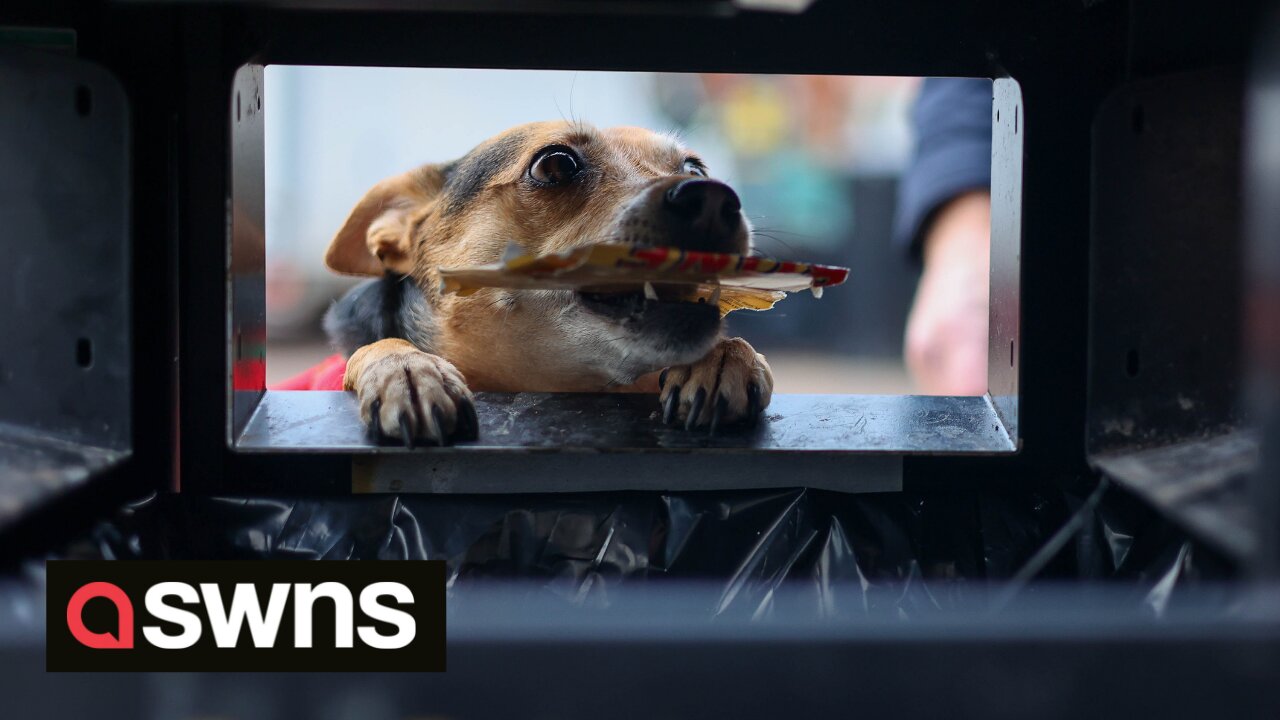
(815, 159)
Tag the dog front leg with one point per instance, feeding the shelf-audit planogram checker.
(408, 394)
(733, 383)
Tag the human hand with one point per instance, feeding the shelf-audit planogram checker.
(946, 342)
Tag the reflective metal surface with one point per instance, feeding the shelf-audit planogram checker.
(328, 421)
(1008, 123)
(1262, 329)
(35, 467)
(1203, 484)
(1165, 354)
(64, 278)
(538, 442)
(1165, 342)
(246, 261)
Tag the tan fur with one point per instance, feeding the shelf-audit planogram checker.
(496, 340)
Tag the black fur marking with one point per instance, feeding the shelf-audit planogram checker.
(391, 301)
(391, 306)
(465, 178)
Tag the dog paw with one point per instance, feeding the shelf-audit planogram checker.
(732, 384)
(407, 394)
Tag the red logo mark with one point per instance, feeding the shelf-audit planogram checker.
(123, 639)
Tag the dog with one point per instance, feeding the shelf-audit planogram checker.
(415, 355)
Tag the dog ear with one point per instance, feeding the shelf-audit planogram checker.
(377, 234)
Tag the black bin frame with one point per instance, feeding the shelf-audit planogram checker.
(178, 64)
(907, 426)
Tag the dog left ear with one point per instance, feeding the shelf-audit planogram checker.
(376, 236)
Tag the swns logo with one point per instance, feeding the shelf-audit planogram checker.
(245, 616)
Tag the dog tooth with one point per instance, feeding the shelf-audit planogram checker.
(715, 296)
(512, 251)
(817, 291)
(649, 292)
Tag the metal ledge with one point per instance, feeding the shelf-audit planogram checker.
(849, 443)
(581, 442)
(36, 467)
(302, 421)
(1201, 484)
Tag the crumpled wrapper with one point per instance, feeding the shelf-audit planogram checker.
(735, 282)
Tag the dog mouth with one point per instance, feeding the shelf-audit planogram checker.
(644, 329)
(624, 301)
(673, 323)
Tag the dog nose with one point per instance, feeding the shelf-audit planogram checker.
(711, 209)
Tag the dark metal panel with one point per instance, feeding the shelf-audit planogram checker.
(202, 241)
(1064, 677)
(64, 220)
(515, 472)
(495, 7)
(1262, 331)
(1008, 125)
(1064, 56)
(945, 39)
(1165, 349)
(65, 379)
(329, 422)
(1070, 653)
(1164, 341)
(1200, 484)
(36, 467)
(246, 257)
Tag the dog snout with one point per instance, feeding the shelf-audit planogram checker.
(690, 213)
(704, 214)
(693, 214)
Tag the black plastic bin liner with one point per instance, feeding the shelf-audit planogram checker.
(900, 553)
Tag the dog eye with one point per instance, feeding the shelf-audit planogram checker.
(555, 165)
(694, 167)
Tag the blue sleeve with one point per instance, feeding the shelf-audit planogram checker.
(952, 123)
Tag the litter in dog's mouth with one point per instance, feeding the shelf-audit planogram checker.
(636, 299)
(627, 279)
(650, 292)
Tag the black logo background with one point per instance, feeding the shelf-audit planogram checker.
(424, 578)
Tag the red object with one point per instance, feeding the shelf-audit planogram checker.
(250, 374)
(325, 376)
(122, 639)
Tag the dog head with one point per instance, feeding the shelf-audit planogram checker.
(550, 187)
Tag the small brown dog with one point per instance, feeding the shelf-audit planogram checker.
(416, 355)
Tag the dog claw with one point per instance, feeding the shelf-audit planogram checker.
(375, 415)
(673, 404)
(468, 427)
(662, 378)
(437, 428)
(406, 429)
(721, 407)
(754, 401)
(699, 398)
